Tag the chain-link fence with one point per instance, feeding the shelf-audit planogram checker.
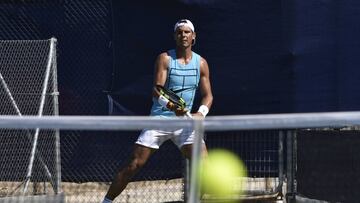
(83, 29)
(85, 58)
(29, 159)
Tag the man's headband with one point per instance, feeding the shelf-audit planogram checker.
(184, 22)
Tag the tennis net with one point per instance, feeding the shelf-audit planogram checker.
(266, 143)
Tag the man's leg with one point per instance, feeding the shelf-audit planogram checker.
(139, 157)
(186, 150)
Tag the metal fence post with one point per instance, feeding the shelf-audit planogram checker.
(194, 196)
(291, 166)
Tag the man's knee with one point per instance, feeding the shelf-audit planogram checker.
(139, 157)
(136, 164)
(187, 151)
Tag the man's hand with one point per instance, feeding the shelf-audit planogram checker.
(178, 110)
(197, 115)
(171, 106)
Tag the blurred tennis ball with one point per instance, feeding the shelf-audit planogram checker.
(221, 174)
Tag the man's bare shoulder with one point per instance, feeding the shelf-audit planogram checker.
(163, 56)
(163, 59)
(203, 62)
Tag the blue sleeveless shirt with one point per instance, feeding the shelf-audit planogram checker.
(182, 79)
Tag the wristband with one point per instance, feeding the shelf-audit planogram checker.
(163, 101)
(204, 110)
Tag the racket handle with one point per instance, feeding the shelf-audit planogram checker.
(188, 114)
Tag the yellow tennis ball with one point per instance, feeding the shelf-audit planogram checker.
(221, 174)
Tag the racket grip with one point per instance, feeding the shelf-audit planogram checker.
(188, 114)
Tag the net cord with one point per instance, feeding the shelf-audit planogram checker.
(211, 123)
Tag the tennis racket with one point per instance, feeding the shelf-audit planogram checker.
(174, 98)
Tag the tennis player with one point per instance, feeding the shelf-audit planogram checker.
(182, 71)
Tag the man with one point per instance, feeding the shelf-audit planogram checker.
(182, 71)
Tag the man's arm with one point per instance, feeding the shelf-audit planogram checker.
(161, 68)
(205, 88)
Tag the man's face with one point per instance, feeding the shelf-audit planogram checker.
(184, 36)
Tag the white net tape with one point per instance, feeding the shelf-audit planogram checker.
(211, 123)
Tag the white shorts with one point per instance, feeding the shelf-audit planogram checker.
(155, 138)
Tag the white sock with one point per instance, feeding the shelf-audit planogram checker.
(106, 200)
